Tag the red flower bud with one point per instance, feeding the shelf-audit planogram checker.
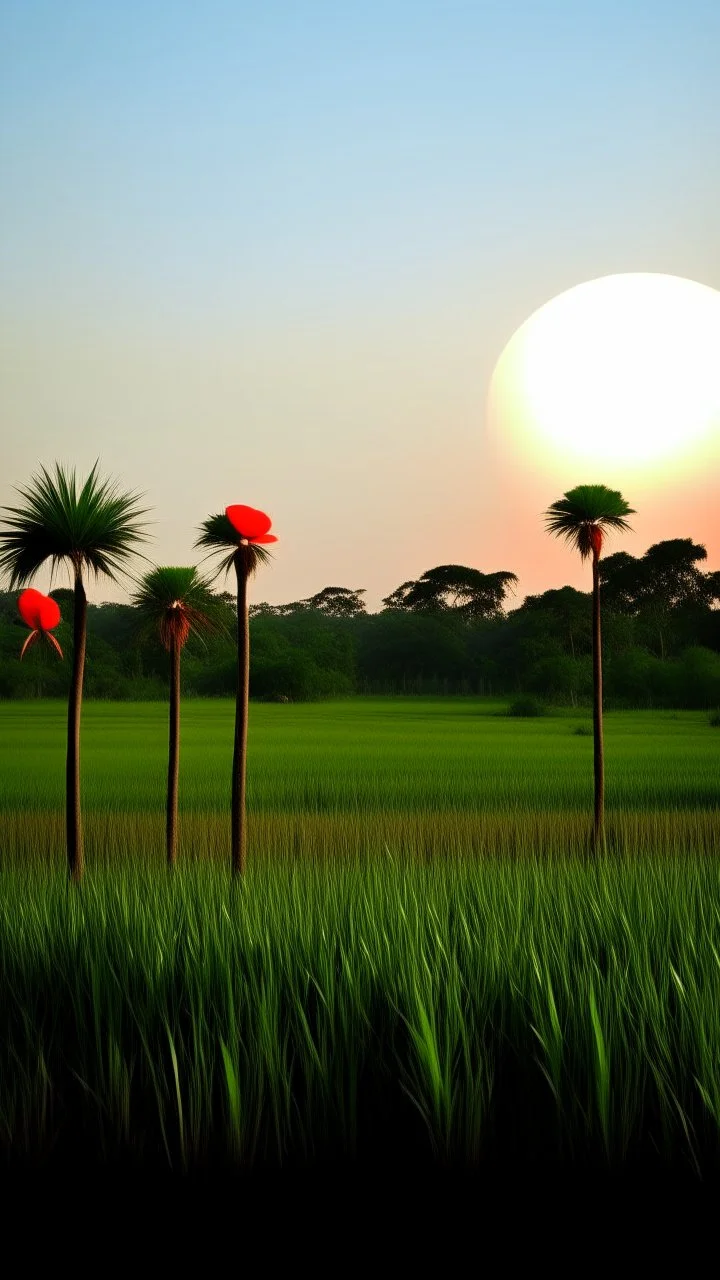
(41, 613)
(251, 524)
(596, 538)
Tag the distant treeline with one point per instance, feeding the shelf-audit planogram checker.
(448, 632)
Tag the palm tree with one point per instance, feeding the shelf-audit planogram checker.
(93, 529)
(238, 533)
(174, 602)
(582, 517)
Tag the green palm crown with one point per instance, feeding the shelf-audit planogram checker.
(96, 526)
(176, 601)
(584, 512)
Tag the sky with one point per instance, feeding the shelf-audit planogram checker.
(271, 253)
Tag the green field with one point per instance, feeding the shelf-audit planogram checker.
(429, 776)
(422, 963)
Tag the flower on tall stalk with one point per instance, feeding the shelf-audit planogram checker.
(40, 613)
(251, 524)
(239, 533)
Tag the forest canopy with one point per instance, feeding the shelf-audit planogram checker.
(451, 631)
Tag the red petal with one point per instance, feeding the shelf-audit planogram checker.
(264, 537)
(29, 603)
(248, 521)
(49, 613)
(30, 640)
(54, 642)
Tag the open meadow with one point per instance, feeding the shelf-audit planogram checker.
(422, 964)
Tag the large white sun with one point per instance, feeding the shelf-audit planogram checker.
(624, 370)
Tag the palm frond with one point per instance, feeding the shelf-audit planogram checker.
(584, 508)
(96, 526)
(218, 535)
(175, 602)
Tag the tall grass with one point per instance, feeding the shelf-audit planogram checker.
(470, 1013)
(121, 839)
(422, 965)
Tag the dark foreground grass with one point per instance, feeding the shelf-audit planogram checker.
(491, 1016)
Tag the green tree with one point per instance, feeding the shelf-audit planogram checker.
(621, 581)
(93, 529)
(338, 602)
(174, 602)
(238, 535)
(568, 611)
(467, 591)
(664, 589)
(672, 583)
(670, 573)
(334, 602)
(406, 651)
(582, 517)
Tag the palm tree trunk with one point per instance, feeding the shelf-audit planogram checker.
(238, 833)
(173, 755)
(599, 756)
(73, 819)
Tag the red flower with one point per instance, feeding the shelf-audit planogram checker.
(252, 525)
(41, 613)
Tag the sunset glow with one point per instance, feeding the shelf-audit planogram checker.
(623, 369)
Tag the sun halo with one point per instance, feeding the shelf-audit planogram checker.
(623, 370)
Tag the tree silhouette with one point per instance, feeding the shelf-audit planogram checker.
(334, 602)
(466, 591)
(665, 580)
(338, 602)
(621, 581)
(568, 609)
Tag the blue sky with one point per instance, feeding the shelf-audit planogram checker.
(271, 253)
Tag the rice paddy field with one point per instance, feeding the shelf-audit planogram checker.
(423, 966)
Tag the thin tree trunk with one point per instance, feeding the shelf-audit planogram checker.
(73, 818)
(173, 755)
(599, 757)
(238, 834)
